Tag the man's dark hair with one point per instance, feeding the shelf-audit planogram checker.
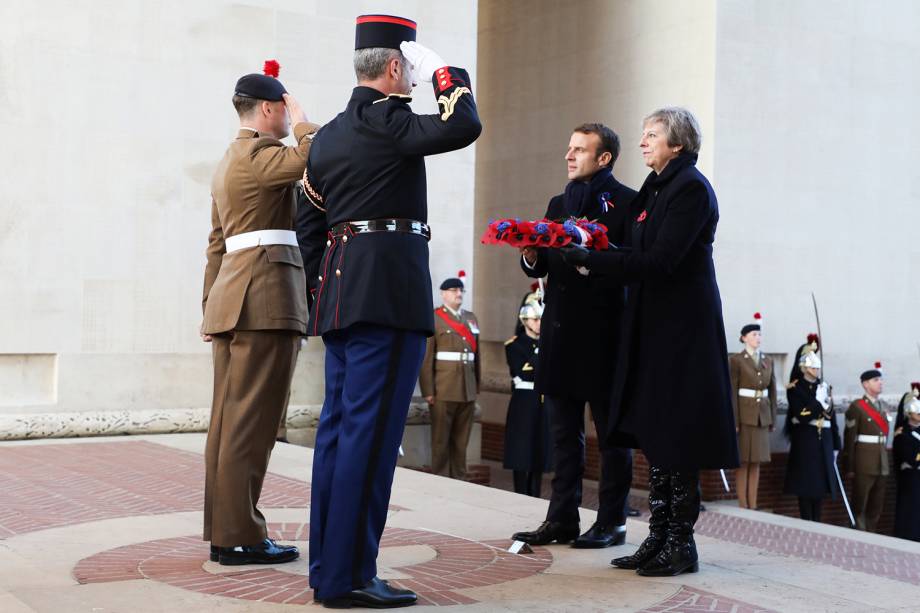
(609, 139)
(244, 105)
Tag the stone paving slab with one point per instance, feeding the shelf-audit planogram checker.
(113, 525)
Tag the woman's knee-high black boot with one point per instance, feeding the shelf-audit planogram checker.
(679, 552)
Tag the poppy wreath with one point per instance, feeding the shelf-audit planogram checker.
(546, 233)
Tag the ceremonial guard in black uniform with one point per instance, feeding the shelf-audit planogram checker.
(814, 438)
(527, 438)
(578, 344)
(372, 293)
(907, 465)
(914, 392)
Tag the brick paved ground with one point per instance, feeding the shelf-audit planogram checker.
(53, 485)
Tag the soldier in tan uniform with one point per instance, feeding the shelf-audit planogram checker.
(255, 311)
(754, 400)
(450, 380)
(865, 450)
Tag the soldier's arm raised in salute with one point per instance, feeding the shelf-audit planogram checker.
(455, 127)
(278, 165)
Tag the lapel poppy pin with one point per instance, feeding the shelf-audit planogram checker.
(642, 217)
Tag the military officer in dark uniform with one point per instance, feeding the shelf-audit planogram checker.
(865, 449)
(372, 292)
(527, 438)
(813, 436)
(578, 342)
(907, 464)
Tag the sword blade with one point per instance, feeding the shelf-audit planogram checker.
(724, 479)
(843, 494)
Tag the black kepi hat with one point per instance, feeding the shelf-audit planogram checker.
(262, 86)
(385, 31)
(872, 373)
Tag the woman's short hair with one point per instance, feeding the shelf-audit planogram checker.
(681, 127)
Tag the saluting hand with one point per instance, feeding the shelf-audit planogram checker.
(424, 61)
(293, 108)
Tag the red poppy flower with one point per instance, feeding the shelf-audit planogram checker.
(642, 217)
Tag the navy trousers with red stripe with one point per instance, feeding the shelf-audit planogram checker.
(371, 373)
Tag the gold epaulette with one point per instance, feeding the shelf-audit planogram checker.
(402, 97)
(510, 340)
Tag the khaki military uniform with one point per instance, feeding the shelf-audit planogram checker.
(451, 373)
(866, 454)
(754, 402)
(255, 308)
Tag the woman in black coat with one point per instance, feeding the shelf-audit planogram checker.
(527, 434)
(813, 436)
(671, 392)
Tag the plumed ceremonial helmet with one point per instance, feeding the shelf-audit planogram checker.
(913, 406)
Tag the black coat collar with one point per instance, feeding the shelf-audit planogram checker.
(670, 171)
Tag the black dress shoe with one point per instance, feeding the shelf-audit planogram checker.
(377, 594)
(598, 537)
(548, 532)
(215, 553)
(266, 552)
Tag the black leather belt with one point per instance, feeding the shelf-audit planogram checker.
(408, 226)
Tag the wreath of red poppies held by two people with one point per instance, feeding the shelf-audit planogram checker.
(546, 233)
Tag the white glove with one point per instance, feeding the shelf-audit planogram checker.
(821, 394)
(424, 61)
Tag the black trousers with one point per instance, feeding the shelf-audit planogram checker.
(567, 422)
(527, 483)
(810, 508)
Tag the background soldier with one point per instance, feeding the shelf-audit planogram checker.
(527, 439)
(865, 439)
(367, 233)
(814, 438)
(914, 392)
(754, 400)
(450, 378)
(907, 464)
(580, 335)
(255, 311)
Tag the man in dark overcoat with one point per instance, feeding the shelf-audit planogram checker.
(372, 299)
(578, 343)
(907, 466)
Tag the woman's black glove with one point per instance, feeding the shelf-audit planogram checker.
(574, 255)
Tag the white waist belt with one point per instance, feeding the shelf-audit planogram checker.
(878, 439)
(260, 237)
(455, 356)
(746, 393)
(520, 384)
(826, 424)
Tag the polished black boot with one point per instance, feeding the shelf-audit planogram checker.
(599, 536)
(659, 499)
(215, 553)
(266, 552)
(548, 532)
(679, 552)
